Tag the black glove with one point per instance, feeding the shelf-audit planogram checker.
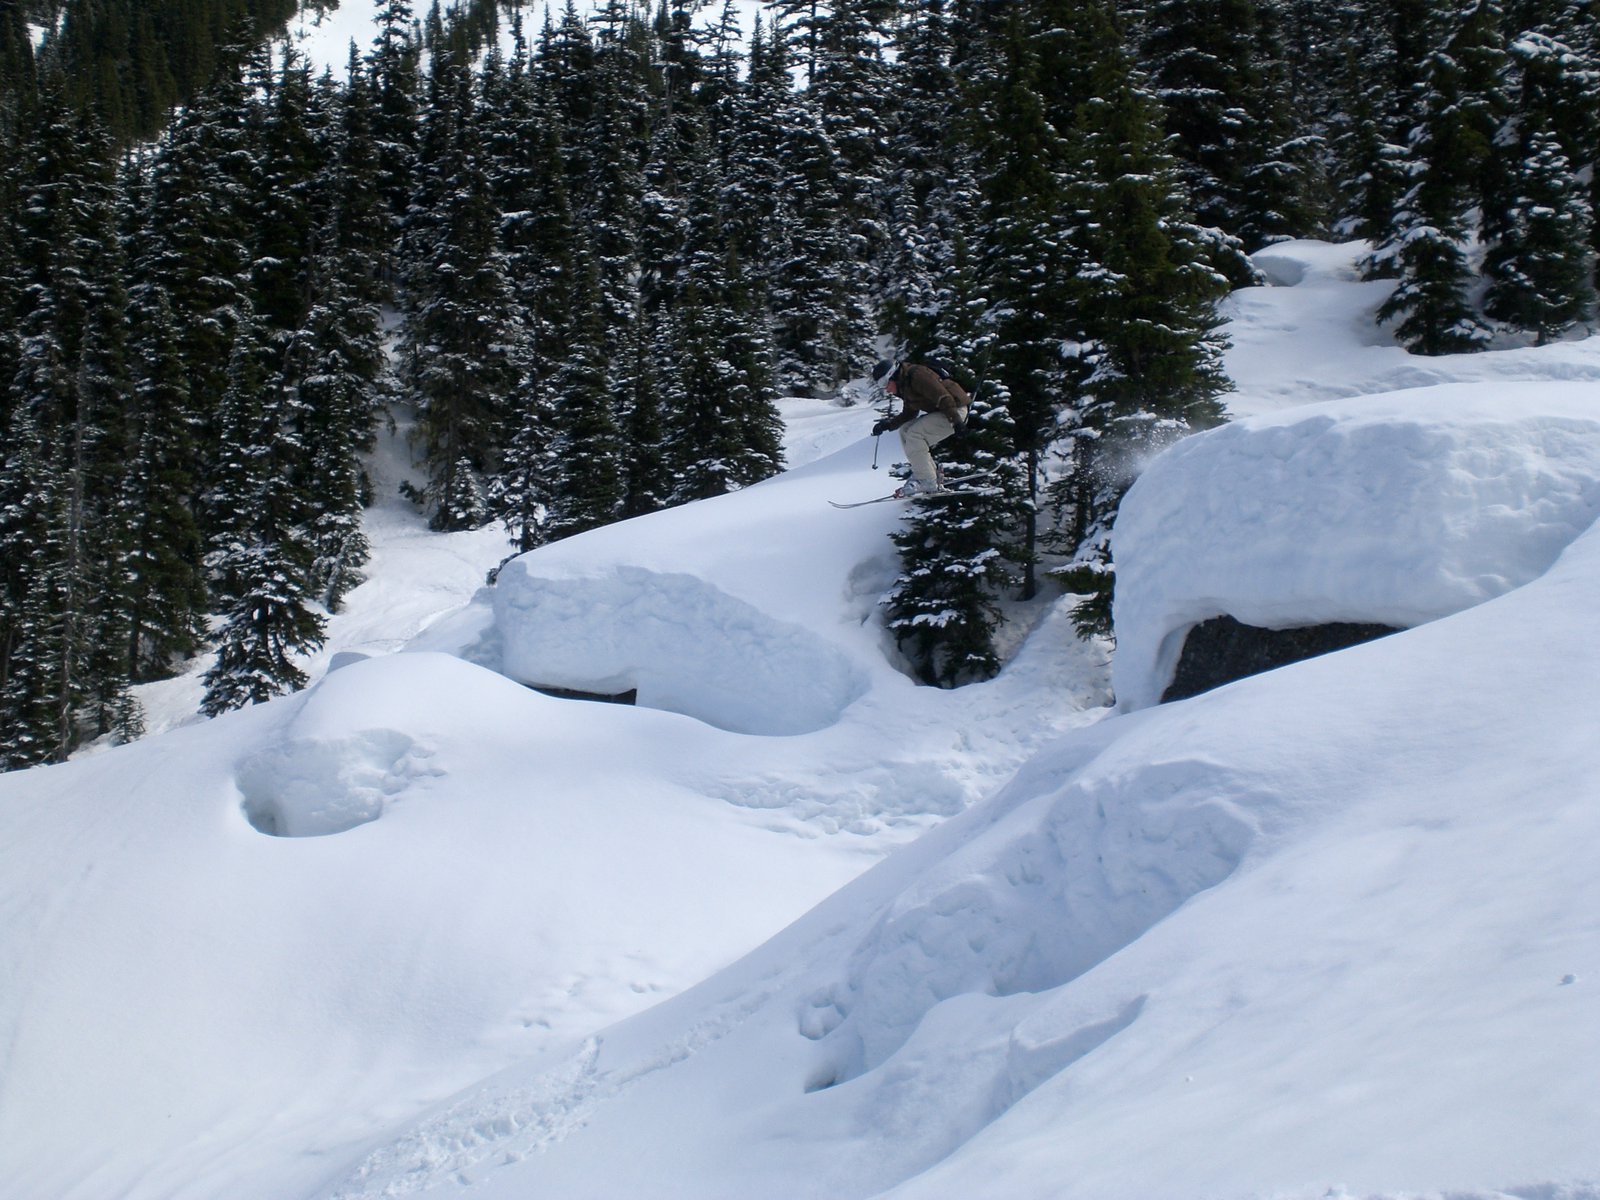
(960, 428)
(882, 427)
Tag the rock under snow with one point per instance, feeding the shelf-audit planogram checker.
(1385, 510)
(680, 643)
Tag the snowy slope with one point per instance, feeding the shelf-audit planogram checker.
(1334, 927)
(1333, 930)
(472, 869)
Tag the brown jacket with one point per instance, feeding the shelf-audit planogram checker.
(921, 390)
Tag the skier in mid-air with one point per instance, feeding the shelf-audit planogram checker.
(932, 409)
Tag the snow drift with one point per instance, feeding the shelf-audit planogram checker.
(677, 642)
(1388, 510)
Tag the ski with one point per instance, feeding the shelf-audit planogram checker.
(863, 503)
(948, 493)
(954, 493)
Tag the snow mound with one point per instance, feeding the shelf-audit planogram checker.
(1031, 905)
(1394, 510)
(678, 641)
(311, 787)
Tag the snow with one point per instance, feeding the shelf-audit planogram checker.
(792, 926)
(1394, 509)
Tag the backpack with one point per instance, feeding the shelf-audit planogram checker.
(941, 368)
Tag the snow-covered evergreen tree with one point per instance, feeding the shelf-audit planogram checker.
(1147, 355)
(285, 218)
(587, 447)
(33, 642)
(261, 553)
(463, 344)
(754, 205)
(1431, 308)
(394, 76)
(958, 558)
(337, 372)
(614, 139)
(1540, 270)
(64, 629)
(920, 233)
(168, 598)
(722, 430)
(522, 490)
(820, 322)
(195, 243)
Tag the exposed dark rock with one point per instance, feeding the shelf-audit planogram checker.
(1221, 650)
(630, 696)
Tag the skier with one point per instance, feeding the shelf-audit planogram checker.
(932, 409)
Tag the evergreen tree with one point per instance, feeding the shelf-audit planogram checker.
(544, 264)
(249, 416)
(949, 296)
(1557, 89)
(1431, 307)
(819, 323)
(285, 215)
(462, 344)
(32, 637)
(1382, 71)
(722, 429)
(103, 444)
(337, 370)
(1148, 357)
(921, 234)
(12, 283)
(521, 492)
(722, 364)
(639, 391)
(1286, 187)
(168, 597)
(957, 559)
(564, 83)
(664, 209)
(850, 86)
(260, 554)
(353, 177)
(196, 236)
(66, 603)
(17, 73)
(1484, 110)
(614, 141)
(1200, 55)
(755, 205)
(587, 447)
(1018, 240)
(1540, 270)
(394, 73)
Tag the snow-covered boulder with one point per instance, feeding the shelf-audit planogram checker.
(676, 641)
(1388, 510)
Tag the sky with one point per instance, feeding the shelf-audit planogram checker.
(795, 927)
(326, 39)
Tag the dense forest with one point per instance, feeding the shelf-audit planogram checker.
(590, 253)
